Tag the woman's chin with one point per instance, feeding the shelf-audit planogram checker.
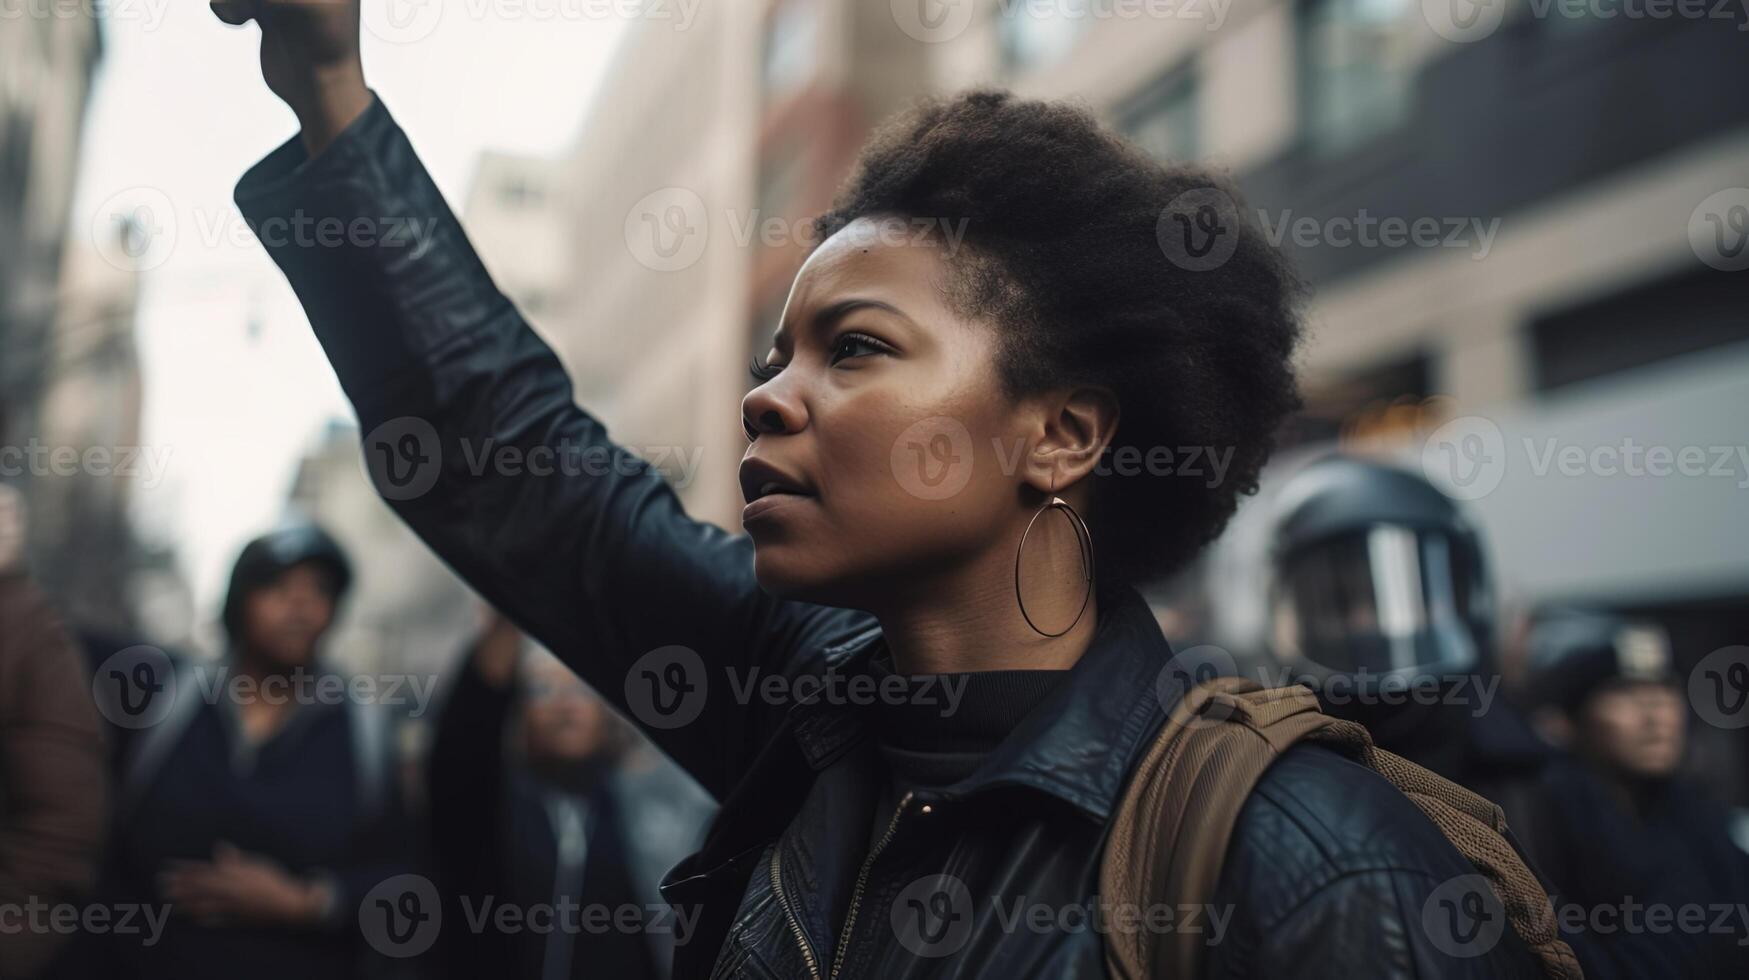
(783, 574)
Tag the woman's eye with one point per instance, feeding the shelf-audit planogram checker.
(856, 345)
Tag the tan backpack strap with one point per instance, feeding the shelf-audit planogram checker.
(1168, 837)
(1477, 828)
(1213, 748)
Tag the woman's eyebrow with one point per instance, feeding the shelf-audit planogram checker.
(835, 311)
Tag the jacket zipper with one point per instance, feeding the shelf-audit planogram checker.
(795, 926)
(861, 884)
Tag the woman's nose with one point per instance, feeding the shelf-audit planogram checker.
(769, 412)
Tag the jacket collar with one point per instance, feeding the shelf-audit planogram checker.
(1078, 745)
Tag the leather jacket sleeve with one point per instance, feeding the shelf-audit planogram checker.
(653, 609)
(1334, 874)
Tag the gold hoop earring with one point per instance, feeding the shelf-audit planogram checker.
(1083, 537)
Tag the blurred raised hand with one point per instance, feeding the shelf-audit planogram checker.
(309, 58)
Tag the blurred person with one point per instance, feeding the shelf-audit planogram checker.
(1380, 600)
(925, 434)
(53, 793)
(257, 812)
(535, 804)
(1622, 823)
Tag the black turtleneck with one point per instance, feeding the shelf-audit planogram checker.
(946, 724)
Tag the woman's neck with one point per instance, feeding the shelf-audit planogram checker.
(969, 620)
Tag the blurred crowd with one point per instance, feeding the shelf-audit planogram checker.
(168, 817)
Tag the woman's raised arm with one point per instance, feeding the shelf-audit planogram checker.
(658, 612)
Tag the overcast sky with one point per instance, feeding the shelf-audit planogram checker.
(178, 114)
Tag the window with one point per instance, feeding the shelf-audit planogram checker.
(792, 44)
(519, 191)
(1163, 120)
(1033, 35)
(1642, 325)
(1355, 61)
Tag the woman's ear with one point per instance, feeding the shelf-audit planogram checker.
(1079, 424)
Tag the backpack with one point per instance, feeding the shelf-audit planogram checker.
(1169, 834)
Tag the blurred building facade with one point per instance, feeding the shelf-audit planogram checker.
(1569, 168)
(647, 307)
(70, 395)
(1562, 296)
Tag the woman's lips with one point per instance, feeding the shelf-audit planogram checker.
(770, 505)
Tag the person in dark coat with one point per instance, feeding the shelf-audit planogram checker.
(531, 809)
(943, 510)
(257, 804)
(53, 790)
(1623, 827)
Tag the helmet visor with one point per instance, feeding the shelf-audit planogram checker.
(1389, 600)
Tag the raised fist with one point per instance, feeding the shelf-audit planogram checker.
(309, 58)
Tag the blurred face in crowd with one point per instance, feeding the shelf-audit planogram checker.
(1637, 729)
(284, 620)
(880, 428)
(563, 721)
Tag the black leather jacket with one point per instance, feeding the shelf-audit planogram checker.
(1331, 872)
